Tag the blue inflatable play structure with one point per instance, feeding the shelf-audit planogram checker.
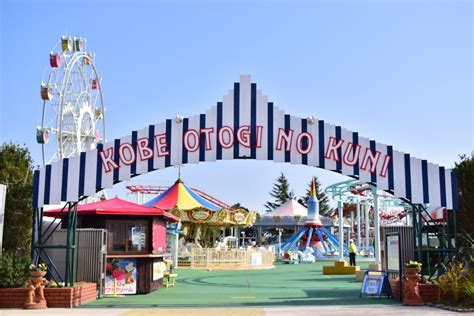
(313, 237)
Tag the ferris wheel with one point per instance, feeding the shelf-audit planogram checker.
(73, 115)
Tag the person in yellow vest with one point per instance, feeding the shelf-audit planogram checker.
(352, 252)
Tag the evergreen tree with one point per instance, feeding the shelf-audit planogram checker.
(238, 206)
(324, 207)
(280, 192)
(17, 173)
(464, 172)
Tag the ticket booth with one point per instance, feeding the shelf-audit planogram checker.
(136, 243)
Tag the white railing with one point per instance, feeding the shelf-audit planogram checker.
(210, 258)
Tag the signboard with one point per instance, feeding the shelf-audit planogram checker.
(393, 254)
(200, 215)
(244, 124)
(121, 274)
(239, 217)
(372, 284)
(256, 259)
(376, 283)
(159, 268)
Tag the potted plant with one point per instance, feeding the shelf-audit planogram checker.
(38, 271)
(412, 267)
(411, 295)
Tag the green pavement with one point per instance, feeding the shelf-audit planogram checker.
(293, 285)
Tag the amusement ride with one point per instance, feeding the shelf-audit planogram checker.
(73, 113)
(313, 237)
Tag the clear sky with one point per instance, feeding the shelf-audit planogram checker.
(399, 72)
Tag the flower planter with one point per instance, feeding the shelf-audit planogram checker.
(411, 295)
(37, 274)
(35, 297)
(412, 271)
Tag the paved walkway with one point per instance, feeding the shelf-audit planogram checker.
(252, 311)
(286, 285)
(286, 290)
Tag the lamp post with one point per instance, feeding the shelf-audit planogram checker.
(341, 230)
(280, 230)
(358, 224)
(376, 226)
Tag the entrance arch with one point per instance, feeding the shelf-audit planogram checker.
(245, 124)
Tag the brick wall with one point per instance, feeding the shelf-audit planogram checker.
(81, 293)
(395, 284)
(428, 292)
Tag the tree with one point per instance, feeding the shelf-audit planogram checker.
(324, 207)
(16, 172)
(280, 192)
(464, 171)
(238, 206)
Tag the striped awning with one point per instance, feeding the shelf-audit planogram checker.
(437, 214)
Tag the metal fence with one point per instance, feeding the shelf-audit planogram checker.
(91, 255)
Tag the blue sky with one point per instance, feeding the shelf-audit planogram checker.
(399, 72)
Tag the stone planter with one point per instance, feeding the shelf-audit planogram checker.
(37, 274)
(412, 271)
(35, 296)
(411, 295)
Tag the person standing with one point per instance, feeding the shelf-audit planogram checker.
(352, 252)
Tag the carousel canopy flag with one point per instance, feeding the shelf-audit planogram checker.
(245, 124)
(181, 197)
(115, 206)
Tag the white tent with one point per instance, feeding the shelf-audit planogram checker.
(289, 208)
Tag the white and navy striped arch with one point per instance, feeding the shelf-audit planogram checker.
(407, 177)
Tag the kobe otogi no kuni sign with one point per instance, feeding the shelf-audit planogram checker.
(245, 124)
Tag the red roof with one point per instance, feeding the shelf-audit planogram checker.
(115, 206)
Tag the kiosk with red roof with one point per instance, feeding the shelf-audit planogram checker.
(136, 242)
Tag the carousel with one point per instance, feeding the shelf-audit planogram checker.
(203, 222)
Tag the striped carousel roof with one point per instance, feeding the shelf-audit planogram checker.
(289, 208)
(181, 196)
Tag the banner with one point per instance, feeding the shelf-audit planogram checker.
(121, 274)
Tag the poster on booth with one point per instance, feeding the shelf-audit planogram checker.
(393, 255)
(122, 272)
(159, 268)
